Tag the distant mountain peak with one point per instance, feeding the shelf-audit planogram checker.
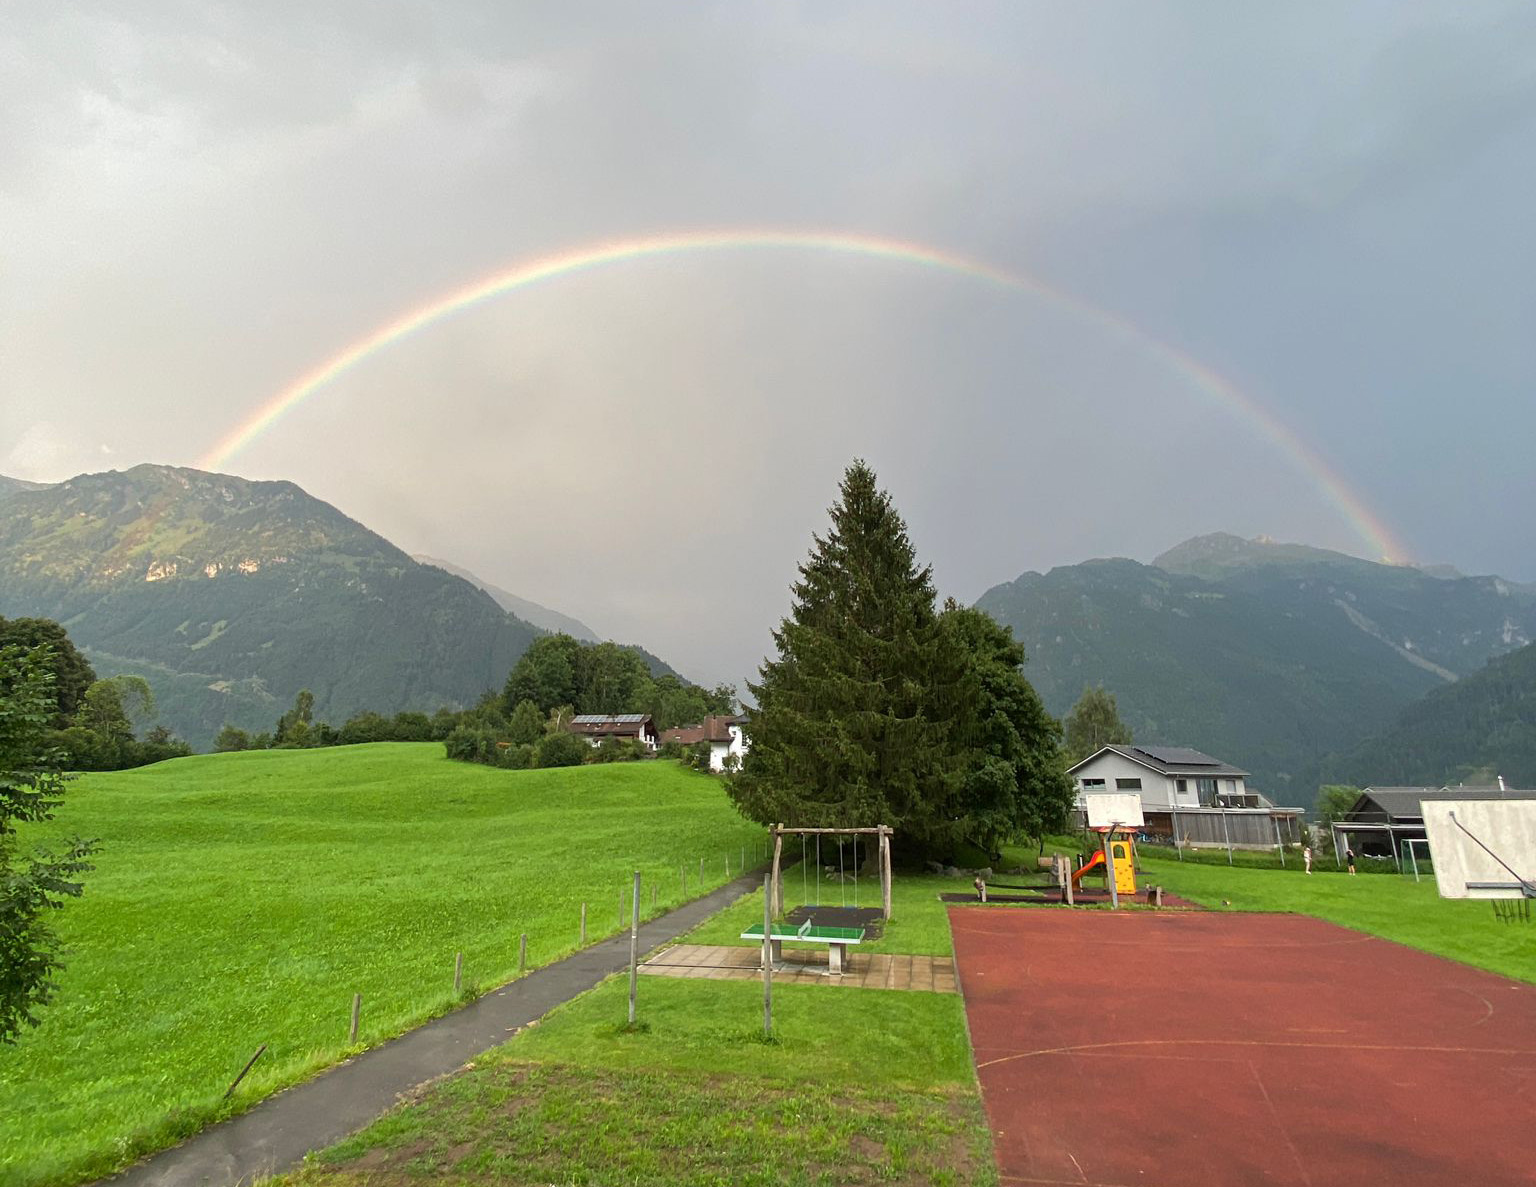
(1219, 553)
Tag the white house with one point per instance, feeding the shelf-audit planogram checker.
(726, 736)
(1187, 795)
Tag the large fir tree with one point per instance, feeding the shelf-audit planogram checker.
(855, 717)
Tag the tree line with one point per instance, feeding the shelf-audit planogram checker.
(559, 677)
(98, 724)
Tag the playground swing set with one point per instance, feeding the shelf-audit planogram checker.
(839, 926)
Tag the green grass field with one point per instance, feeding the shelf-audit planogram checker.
(858, 1086)
(242, 899)
(1395, 908)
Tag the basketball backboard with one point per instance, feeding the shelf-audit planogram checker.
(1473, 841)
(1113, 811)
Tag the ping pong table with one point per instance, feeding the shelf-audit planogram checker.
(837, 940)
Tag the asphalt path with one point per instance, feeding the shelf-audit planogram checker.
(277, 1134)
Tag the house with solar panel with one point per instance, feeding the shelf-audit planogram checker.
(1188, 797)
(598, 728)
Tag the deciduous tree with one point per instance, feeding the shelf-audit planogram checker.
(1093, 724)
(34, 884)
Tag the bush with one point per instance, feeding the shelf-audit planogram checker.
(560, 750)
(469, 743)
(616, 750)
(672, 750)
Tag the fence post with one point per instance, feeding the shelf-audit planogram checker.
(458, 972)
(357, 1009)
(682, 872)
(583, 924)
(522, 953)
(767, 957)
(634, 948)
(701, 873)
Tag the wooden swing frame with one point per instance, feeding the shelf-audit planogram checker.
(882, 831)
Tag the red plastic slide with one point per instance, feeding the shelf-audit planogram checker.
(1096, 860)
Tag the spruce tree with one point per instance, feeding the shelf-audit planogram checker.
(852, 726)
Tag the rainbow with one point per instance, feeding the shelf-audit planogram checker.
(1375, 534)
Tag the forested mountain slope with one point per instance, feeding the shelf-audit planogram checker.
(1471, 731)
(229, 596)
(1272, 657)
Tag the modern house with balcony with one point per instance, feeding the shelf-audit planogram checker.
(1187, 797)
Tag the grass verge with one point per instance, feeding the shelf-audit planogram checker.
(857, 1086)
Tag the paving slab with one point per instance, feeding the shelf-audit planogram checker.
(865, 970)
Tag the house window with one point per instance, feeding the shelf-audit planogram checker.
(1127, 784)
(1207, 790)
(1093, 785)
(1183, 785)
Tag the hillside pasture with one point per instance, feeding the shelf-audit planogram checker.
(242, 899)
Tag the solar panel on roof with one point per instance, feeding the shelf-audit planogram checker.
(1180, 756)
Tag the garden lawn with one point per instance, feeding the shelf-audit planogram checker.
(1393, 907)
(242, 899)
(858, 1086)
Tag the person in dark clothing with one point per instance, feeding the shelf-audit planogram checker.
(1349, 857)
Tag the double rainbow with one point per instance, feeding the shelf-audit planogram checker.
(1374, 534)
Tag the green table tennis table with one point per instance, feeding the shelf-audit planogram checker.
(837, 940)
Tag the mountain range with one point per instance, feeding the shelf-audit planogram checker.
(1301, 665)
(1279, 658)
(229, 596)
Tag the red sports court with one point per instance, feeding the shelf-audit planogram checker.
(1188, 1048)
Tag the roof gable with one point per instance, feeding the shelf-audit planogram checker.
(1169, 760)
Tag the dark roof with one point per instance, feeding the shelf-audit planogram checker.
(713, 729)
(625, 725)
(1406, 802)
(1171, 760)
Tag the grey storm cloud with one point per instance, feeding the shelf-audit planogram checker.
(1326, 203)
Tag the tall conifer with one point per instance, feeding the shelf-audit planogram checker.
(853, 716)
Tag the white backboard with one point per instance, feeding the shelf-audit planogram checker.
(1508, 827)
(1120, 811)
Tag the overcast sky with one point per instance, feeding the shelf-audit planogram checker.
(1329, 204)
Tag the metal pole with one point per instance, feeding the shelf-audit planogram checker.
(767, 958)
(1178, 845)
(1412, 859)
(634, 948)
(1109, 873)
(1396, 856)
(1279, 844)
(1227, 832)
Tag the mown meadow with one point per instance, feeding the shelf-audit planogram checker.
(242, 899)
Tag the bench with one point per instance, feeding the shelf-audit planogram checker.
(837, 940)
